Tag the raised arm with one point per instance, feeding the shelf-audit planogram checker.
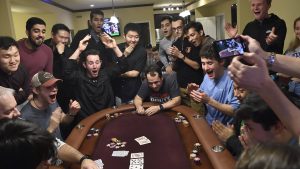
(255, 77)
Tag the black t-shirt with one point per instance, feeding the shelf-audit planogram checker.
(260, 30)
(185, 73)
(93, 43)
(127, 88)
(168, 90)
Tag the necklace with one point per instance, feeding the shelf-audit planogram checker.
(36, 105)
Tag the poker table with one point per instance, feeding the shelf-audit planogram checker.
(171, 142)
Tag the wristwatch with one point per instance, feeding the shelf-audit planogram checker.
(271, 59)
(83, 158)
(161, 107)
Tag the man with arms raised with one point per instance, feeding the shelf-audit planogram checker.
(96, 41)
(93, 88)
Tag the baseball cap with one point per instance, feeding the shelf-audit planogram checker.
(44, 79)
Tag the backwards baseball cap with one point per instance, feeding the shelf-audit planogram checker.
(44, 79)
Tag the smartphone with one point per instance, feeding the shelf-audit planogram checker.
(234, 15)
(230, 47)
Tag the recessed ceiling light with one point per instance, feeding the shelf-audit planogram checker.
(92, 5)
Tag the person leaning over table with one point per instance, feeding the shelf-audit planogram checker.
(159, 88)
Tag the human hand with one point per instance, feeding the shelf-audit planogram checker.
(246, 138)
(231, 31)
(89, 164)
(169, 69)
(74, 107)
(174, 51)
(129, 49)
(271, 37)
(84, 42)
(223, 132)
(152, 110)
(255, 74)
(199, 96)
(108, 41)
(55, 119)
(60, 48)
(191, 86)
(140, 110)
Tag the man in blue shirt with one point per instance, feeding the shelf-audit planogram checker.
(216, 90)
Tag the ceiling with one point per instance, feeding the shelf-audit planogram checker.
(80, 5)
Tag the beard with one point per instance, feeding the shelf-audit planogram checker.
(33, 43)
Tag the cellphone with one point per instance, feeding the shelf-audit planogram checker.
(230, 47)
(233, 15)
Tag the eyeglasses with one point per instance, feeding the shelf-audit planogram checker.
(179, 28)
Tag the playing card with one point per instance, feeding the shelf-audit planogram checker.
(142, 140)
(99, 163)
(135, 161)
(137, 155)
(120, 153)
(138, 166)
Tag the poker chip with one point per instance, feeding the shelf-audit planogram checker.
(197, 146)
(181, 117)
(112, 146)
(192, 156)
(197, 160)
(107, 117)
(116, 143)
(177, 120)
(185, 123)
(195, 152)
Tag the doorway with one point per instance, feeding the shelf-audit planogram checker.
(145, 33)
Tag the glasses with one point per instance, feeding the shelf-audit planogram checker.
(179, 28)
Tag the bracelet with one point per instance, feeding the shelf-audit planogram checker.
(83, 158)
(271, 59)
(161, 107)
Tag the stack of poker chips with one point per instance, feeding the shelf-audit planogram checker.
(111, 116)
(116, 143)
(195, 154)
(181, 119)
(93, 132)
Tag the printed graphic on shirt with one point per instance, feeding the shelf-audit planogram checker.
(160, 97)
